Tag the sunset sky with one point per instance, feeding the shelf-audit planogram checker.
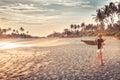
(42, 17)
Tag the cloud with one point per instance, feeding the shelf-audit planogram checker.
(44, 9)
(70, 3)
(66, 2)
(30, 23)
(18, 6)
(113, 1)
(24, 8)
(87, 6)
(21, 6)
(4, 19)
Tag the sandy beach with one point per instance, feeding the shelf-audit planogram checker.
(58, 59)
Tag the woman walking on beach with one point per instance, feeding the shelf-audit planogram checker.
(100, 43)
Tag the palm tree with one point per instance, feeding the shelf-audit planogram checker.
(107, 11)
(67, 32)
(9, 29)
(75, 27)
(4, 31)
(83, 26)
(113, 9)
(27, 32)
(71, 26)
(0, 31)
(89, 27)
(0, 28)
(21, 29)
(118, 12)
(100, 17)
(13, 30)
(118, 8)
(78, 27)
(94, 28)
(17, 32)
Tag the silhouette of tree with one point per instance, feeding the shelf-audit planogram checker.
(82, 26)
(4, 31)
(89, 27)
(9, 32)
(67, 32)
(21, 29)
(118, 11)
(13, 30)
(27, 32)
(78, 26)
(9, 29)
(75, 27)
(71, 26)
(17, 32)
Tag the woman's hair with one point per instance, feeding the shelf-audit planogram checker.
(99, 35)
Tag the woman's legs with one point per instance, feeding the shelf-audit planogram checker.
(100, 59)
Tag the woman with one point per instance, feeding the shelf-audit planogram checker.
(100, 43)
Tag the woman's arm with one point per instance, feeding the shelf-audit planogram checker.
(103, 43)
(96, 40)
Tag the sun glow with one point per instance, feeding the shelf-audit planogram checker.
(9, 45)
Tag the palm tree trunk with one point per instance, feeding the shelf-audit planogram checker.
(102, 26)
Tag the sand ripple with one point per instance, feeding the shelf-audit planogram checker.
(73, 61)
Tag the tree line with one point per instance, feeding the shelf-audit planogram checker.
(109, 15)
(76, 30)
(14, 33)
(107, 21)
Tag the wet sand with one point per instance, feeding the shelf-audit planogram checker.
(60, 59)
